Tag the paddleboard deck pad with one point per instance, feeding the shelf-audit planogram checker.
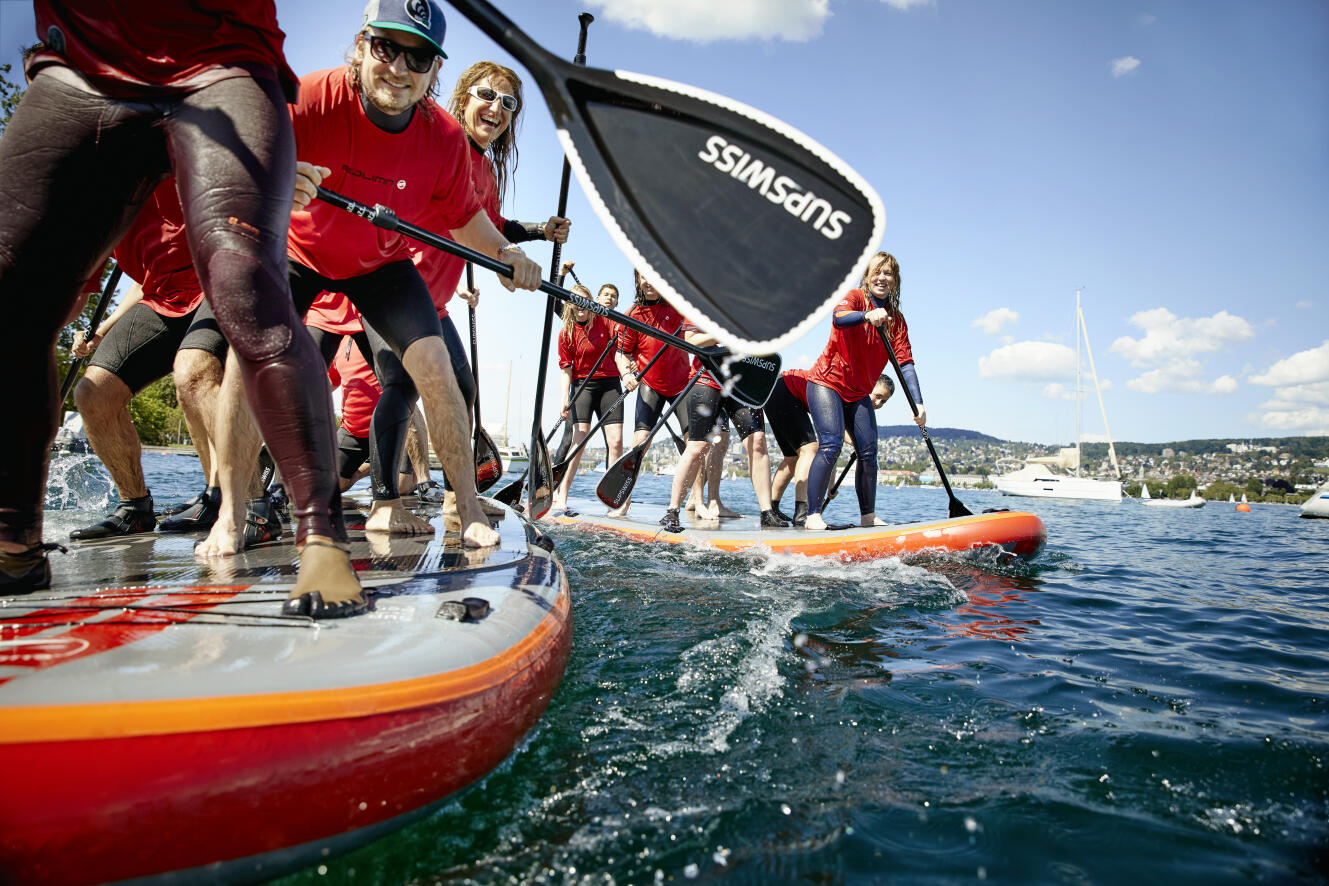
(161, 718)
(1017, 532)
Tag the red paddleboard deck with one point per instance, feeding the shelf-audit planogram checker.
(161, 717)
(1016, 532)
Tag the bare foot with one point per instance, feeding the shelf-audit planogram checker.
(705, 512)
(476, 531)
(326, 586)
(621, 512)
(391, 517)
(449, 503)
(871, 520)
(691, 505)
(719, 510)
(227, 536)
(815, 522)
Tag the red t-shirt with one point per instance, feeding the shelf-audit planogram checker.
(854, 355)
(706, 378)
(333, 312)
(359, 389)
(796, 380)
(581, 347)
(669, 376)
(139, 48)
(423, 173)
(155, 252)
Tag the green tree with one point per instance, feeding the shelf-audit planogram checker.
(1220, 490)
(156, 413)
(10, 94)
(1180, 485)
(1254, 487)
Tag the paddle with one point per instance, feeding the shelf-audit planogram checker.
(615, 486)
(956, 508)
(561, 468)
(653, 156)
(747, 379)
(98, 313)
(679, 443)
(488, 464)
(835, 487)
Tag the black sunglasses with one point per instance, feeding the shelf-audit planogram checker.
(421, 61)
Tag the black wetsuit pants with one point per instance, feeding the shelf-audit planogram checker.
(77, 166)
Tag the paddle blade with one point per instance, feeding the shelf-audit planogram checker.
(540, 495)
(958, 509)
(615, 487)
(686, 180)
(488, 463)
(510, 495)
(560, 470)
(747, 379)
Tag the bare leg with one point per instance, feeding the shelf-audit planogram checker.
(614, 442)
(417, 446)
(235, 446)
(103, 401)
(427, 362)
(759, 466)
(783, 475)
(198, 379)
(689, 466)
(714, 473)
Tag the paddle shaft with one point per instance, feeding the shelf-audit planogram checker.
(625, 487)
(957, 509)
(385, 218)
(581, 386)
(835, 487)
(576, 452)
(98, 313)
(475, 351)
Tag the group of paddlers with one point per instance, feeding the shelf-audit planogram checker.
(180, 140)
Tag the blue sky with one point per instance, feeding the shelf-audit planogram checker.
(1170, 158)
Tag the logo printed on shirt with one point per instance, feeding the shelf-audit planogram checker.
(369, 176)
(401, 184)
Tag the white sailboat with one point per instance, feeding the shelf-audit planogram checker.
(1318, 504)
(1037, 479)
(1193, 502)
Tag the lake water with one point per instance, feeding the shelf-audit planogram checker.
(1144, 702)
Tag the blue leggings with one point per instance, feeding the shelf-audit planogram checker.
(830, 416)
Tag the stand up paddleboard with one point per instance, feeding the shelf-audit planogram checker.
(1017, 532)
(162, 719)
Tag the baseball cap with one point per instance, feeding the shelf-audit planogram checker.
(422, 17)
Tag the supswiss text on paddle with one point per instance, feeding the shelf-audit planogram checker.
(685, 180)
(957, 509)
(615, 487)
(488, 464)
(749, 380)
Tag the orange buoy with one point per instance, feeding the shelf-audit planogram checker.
(1242, 507)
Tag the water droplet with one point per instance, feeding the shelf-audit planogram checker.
(691, 871)
(970, 824)
(784, 807)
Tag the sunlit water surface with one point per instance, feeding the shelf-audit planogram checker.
(1145, 702)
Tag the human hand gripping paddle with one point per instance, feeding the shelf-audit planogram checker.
(956, 508)
(615, 486)
(648, 152)
(488, 464)
(747, 379)
(98, 313)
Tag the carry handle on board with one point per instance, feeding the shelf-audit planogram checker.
(749, 380)
(649, 152)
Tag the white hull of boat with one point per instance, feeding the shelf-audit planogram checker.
(1318, 504)
(1192, 502)
(1036, 481)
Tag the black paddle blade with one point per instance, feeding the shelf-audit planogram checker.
(510, 495)
(560, 470)
(488, 463)
(747, 379)
(615, 486)
(958, 509)
(684, 180)
(540, 495)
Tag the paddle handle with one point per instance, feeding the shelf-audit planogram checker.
(98, 313)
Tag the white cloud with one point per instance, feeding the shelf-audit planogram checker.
(1058, 391)
(703, 21)
(1307, 419)
(802, 361)
(1302, 368)
(1120, 67)
(995, 321)
(1028, 361)
(1305, 303)
(1181, 376)
(1169, 337)
(1145, 19)
(905, 5)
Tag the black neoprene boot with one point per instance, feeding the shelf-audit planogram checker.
(133, 516)
(800, 517)
(670, 520)
(262, 524)
(199, 515)
(26, 571)
(771, 519)
(775, 507)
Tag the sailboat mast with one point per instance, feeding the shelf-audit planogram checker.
(507, 406)
(1112, 450)
(1079, 394)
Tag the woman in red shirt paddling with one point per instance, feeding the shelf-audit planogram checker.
(841, 382)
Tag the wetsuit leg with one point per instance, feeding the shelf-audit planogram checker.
(861, 418)
(391, 420)
(234, 158)
(827, 412)
(76, 168)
